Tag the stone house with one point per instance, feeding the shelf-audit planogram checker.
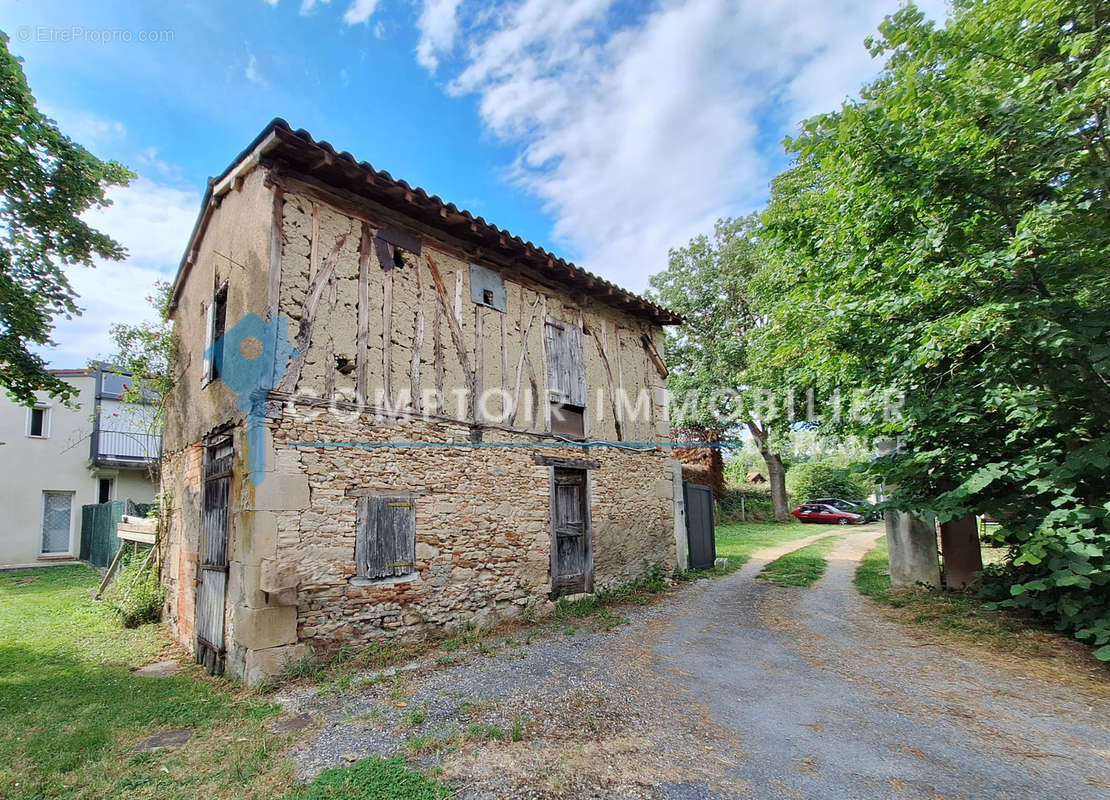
(393, 417)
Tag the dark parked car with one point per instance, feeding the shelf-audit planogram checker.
(855, 506)
(826, 514)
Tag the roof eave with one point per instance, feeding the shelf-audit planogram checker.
(279, 141)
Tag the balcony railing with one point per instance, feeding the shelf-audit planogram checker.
(126, 447)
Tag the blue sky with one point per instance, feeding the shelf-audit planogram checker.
(606, 131)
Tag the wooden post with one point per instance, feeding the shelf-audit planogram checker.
(959, 546)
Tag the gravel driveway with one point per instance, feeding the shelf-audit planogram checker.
(731, 687)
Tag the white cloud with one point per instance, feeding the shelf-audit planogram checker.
(251, 72)
(637, 135)
(359, 11)
(153, 221)
(438, 24)
(88, 130)
(308, 6)
(271, 2)
(149, 161)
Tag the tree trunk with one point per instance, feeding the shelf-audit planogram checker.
(776, 477)
(776, 471)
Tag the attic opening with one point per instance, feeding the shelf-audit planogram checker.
(344, 365)
(398, 257)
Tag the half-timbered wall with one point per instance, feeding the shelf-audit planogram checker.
(386, 326)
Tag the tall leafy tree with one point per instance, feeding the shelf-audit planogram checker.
(147, 351)
(709, 283)
(948, 236)
(47, 181)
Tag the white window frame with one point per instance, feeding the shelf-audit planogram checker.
(209, 322)
(42, 522)
(47, 419)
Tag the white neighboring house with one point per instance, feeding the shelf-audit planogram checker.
(55, 459)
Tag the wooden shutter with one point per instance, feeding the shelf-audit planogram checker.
(566, 363)
(386, 537)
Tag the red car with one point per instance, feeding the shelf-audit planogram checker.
(819, 512)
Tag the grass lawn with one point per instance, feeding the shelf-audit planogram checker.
(72, 711)
(803, 566)
(962, 617)
(736, 541)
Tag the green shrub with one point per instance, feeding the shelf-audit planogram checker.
(137, 594)
(1062, 577)
(830, 479)
(744, 504)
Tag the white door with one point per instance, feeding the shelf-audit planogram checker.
(57, 515)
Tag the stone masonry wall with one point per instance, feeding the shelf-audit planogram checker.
(482, 525)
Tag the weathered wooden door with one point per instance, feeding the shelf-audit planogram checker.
(572, 563)
(699, 525)
(212, 571)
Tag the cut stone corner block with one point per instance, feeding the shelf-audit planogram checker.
(261, 665)
(263, 628)
(278, 492)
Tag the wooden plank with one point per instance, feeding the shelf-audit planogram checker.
(653, 354)
(108, 575)
(479, 362)
(314, 244)
(437, 355)
(142, 537)
(140, 522)
(387, 335)
(273, 282)
(459, 297)
(329, 369)
(417, 343)
(620, 372)
(385, 255)
(569, 463)
(504, 362)
(546, 371)
(308, 315)
(363, 491)
(362, 354)
(456, 332)
(400, 239)
(522, 330)
(600, 343)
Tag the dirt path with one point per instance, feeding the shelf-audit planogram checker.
(733, 687)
